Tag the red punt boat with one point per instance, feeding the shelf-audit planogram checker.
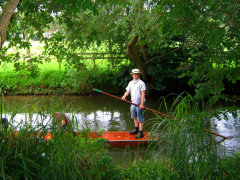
(122, 139)
(114, 139)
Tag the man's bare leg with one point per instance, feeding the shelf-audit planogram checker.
(135, 122)
(140, 126)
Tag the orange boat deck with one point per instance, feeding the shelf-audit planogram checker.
(114, 139)
(120, 139)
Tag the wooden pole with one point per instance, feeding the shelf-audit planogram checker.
(157, 112)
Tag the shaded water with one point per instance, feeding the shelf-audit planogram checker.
(100, 112)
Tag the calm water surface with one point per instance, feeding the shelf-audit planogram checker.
(100, 112)
(96, 112)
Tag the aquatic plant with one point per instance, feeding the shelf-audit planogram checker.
(193, 153)
(29, 152)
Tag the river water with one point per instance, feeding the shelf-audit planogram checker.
(100, 112)
(96, 112)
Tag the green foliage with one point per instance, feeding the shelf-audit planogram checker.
(148, 170)
(230, 166)
(208, 30)
(166, 70)
(123, 77)
(85, 81)
(59, 82)
(25, 70)
(27, 155)
(193, 153)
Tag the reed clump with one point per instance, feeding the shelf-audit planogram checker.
(192, 153)
(28, 154)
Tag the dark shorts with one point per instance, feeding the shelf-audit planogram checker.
(136, 112)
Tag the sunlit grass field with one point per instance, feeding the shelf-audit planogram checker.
(52, 77)
(46, 66)
(37, 49)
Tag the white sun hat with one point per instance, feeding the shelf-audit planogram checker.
(135, 71)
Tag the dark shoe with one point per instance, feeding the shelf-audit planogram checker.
(133, 132)
(140, 135)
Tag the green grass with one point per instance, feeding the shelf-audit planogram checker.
(46, 66)
(47, 78)
(50, 81)
(28, 156)
(36, 48)
(53, 65)
(193, 153)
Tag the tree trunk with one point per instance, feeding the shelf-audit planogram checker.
(30, 63)
(134, 56)
(59, 66)
(5, 19)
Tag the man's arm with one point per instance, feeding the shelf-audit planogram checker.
(125, 95)
(142, 99)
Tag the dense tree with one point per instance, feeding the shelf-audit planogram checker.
(149, 32)
(199, 39)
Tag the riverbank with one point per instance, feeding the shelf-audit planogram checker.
(55, 82)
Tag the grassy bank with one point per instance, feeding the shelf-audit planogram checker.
(49, 80)
(47, 76)
(28, 156)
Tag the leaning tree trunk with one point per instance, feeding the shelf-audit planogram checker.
(5, 19)
(133, 54)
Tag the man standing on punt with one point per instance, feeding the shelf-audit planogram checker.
(137, 89)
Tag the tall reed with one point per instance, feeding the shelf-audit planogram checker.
(27, 155)
(192, 152)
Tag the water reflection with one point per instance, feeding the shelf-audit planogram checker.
(229, 128)
(95, 121)
(94, 112)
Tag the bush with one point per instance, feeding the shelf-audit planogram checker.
(231, 167)
(61, 82)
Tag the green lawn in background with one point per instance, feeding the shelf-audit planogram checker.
(37, 49)
(54, 66)
(46, 66)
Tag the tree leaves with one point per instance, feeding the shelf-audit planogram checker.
(207, 33)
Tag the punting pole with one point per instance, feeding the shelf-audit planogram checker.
(157, 112)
